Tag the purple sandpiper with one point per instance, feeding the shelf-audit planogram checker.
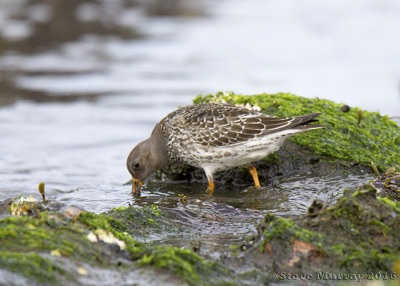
(213, 137)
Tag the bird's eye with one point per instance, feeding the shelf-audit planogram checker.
(137, 165)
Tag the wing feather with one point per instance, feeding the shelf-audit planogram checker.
(223, 125)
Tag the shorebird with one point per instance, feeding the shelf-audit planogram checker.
(213, 137)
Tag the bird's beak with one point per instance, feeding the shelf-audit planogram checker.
(136, 185)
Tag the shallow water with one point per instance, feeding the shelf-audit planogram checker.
(75, 104)
(227, 217)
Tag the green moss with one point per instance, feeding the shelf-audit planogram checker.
(141, 222)
(272, 158)
(374, 259)
(234, 247)
(24, 240)
(185, 263)
(155, 210)
(32, 236)
(359, 233)
(286, 230)
(358, 215)
(392, 204)
(374, 140)
(31, 265)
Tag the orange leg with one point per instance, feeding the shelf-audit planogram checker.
(253, 172)
(210, 189)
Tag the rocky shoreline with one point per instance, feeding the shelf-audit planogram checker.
(47, 243)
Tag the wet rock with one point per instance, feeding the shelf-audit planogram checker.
(315, 208)
(73, 247)
(360, 233)
(4, 205)
(388, 184)
(144, 224)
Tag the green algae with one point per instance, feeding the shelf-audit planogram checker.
(394, 205)
(31, 265)
(188, 265)
(24, 239)
(286, 230)
(182, 262)
(388, 184)
(366, 226)
(373, 140)
(28, 244)
(43, 233)
(142, 223)
(359, 233)
(273, 158)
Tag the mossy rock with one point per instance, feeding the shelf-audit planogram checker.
(351, 140)
(388, 184)
(374, 138)
(359, 234)
(57, 248)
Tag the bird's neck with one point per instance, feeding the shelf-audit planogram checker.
(158, 147)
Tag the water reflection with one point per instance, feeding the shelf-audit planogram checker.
(36, 37)
(29, 26)
(34, 26)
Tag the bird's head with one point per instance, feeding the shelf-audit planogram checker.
(143, 160)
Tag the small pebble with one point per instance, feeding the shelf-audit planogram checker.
(82, 271)
(345, 108)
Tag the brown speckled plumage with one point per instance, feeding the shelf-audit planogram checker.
(219, 136)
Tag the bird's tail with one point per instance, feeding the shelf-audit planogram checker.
(305, 120)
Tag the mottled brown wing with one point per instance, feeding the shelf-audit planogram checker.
(221, 125)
